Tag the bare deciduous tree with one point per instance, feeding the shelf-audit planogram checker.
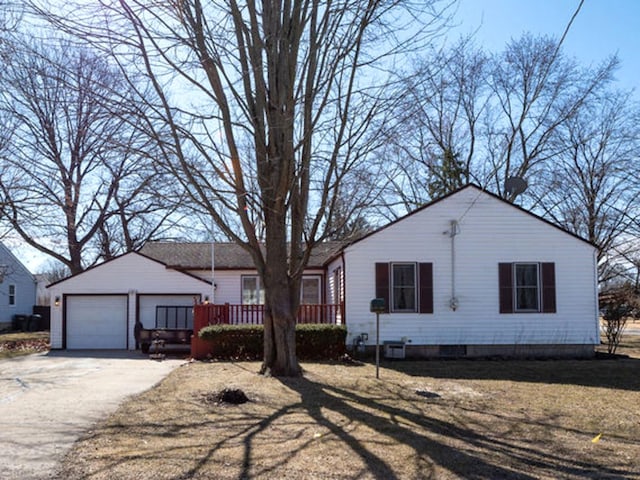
(282, 108)
(71, 153)
(534, 90)
(586, 188)
(434, 140)
(618, 305)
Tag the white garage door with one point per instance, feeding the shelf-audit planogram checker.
(96, 321)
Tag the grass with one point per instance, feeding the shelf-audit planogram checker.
(475, 419)
(14, 344)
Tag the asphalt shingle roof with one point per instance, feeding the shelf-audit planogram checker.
(228, 256)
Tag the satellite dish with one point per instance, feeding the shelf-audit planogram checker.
(514, 186)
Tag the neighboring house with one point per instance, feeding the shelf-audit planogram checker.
(469, 274)
(17, 288)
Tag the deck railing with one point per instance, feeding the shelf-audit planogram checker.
(253, 314)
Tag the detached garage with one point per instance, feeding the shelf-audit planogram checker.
(99, 308)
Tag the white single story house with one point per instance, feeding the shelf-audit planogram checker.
(467, 275)
(473, 275)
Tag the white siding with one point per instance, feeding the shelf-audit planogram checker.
(229, 283)
(130, 274)
(333, 288)
(490, 232)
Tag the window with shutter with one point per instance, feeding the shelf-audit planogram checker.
(527, 287)
(405, 286)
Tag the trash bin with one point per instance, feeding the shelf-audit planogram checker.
(35, 322)
(19, 322)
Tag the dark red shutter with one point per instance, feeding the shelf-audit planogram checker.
(548, 287)
(505, 282)
(425, 280)
(382, 284)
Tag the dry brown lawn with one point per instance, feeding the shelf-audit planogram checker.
(23, 343)
(477, 419)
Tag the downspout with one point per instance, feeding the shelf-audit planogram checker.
(596, 297)
(454, 230)
(343, 280)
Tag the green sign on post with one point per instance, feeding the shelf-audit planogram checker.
(377, 306)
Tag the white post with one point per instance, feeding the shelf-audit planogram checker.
(213, 263)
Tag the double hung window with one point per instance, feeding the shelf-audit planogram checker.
(252, 291)
(526, 287)
(405, 287)
(403, 290)
(12, 295)
(310, 290)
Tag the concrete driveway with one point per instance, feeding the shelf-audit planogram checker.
(48, 400)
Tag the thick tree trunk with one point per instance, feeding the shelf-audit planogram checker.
(279, 343)
(281, 307)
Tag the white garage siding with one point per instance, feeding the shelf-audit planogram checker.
(96, 321)
(84, 299)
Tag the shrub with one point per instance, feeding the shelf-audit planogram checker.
(616, 306)
(320, 341)
(313, 341)
(234, 341)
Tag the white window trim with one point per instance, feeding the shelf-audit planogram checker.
(318, 278)
(538, 289)
(393, 290)
(12, 296)
(258, 287)
(261, 288)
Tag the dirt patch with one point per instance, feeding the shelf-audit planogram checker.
(230, 396)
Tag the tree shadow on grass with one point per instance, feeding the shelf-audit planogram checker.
(615, 374)
(447, 445)
(440, 439)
